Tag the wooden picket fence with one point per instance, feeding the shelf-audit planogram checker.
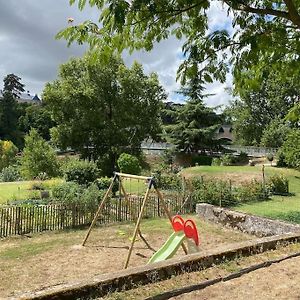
(20, 220)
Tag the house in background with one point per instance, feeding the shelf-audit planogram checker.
(225, 133)
(27, 98)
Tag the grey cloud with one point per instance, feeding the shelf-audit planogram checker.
(29, 49)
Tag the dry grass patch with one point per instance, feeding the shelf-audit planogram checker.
(29, 263)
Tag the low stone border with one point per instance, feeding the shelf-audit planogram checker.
(251, 224)
(127, 279)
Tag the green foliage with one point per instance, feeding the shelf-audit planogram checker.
(278, 184)
(38, 117)
(167, 181)
(280, 159)
(101, 107)
(294, 114)
(168, 156)
(103, 184)
(13, 85)
(243, 157)
(10, 174)
(227, 159)
(202, 160)
(221, 192)
(275, 134)
(8, 153)
(80, 171)
(194, 128)
(71, 193)
(129, 164)
(9, 119)
(290, 151)
(251, 192)
(266, 93)
(270, 157)
(215, 192)
(262, 29)
(38, 156)
(216, 161)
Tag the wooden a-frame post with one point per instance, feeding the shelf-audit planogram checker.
(151, 183)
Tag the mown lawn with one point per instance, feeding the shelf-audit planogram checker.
(22, 190)
(278, 207)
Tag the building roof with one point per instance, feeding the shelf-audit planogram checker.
(27, 98)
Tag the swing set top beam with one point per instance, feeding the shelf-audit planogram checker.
(133, 176)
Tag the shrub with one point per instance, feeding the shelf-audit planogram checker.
(243, 157)
(168, 156)
(270, 157)
(80, 171)
(128, 163)
(38, 156)
(10, 173)
(280, 159)
(103, 183)
(201, 160)
(251, 192)
(71, 193)
(216, 192)
(8, 153)
(278, 184)
(216, 161)
(167, 181)
(227, 159)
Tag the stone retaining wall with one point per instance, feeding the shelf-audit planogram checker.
(251, 224)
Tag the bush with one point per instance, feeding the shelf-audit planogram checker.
(10, 173)
(278, 184)
(243, 157)
(280, 159)
(103, 183)
(80, 171)
(128, 163)
(8, 153)
(71, 193)
(202, 160)
(270, 157)
(38, 156)
(218, 192)
(167, 181)
(215, 192)
(251, 192)
(227, 159)
(168, 156)
(216, 161)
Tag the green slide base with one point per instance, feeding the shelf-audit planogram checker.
(169, 248)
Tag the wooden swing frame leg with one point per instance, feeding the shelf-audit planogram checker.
(138, 224)
(139, 230)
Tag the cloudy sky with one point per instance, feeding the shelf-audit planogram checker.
(29, 49)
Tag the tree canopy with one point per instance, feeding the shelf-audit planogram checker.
(265, 94)
(13, 85)
(261, 28)
(103, 108)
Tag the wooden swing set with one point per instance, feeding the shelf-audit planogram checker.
(118, 177)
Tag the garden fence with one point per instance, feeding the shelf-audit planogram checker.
(20, 220)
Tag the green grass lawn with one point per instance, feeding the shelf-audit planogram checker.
(21, 190)
(278, 207)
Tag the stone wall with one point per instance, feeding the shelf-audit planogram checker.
(251, 224)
